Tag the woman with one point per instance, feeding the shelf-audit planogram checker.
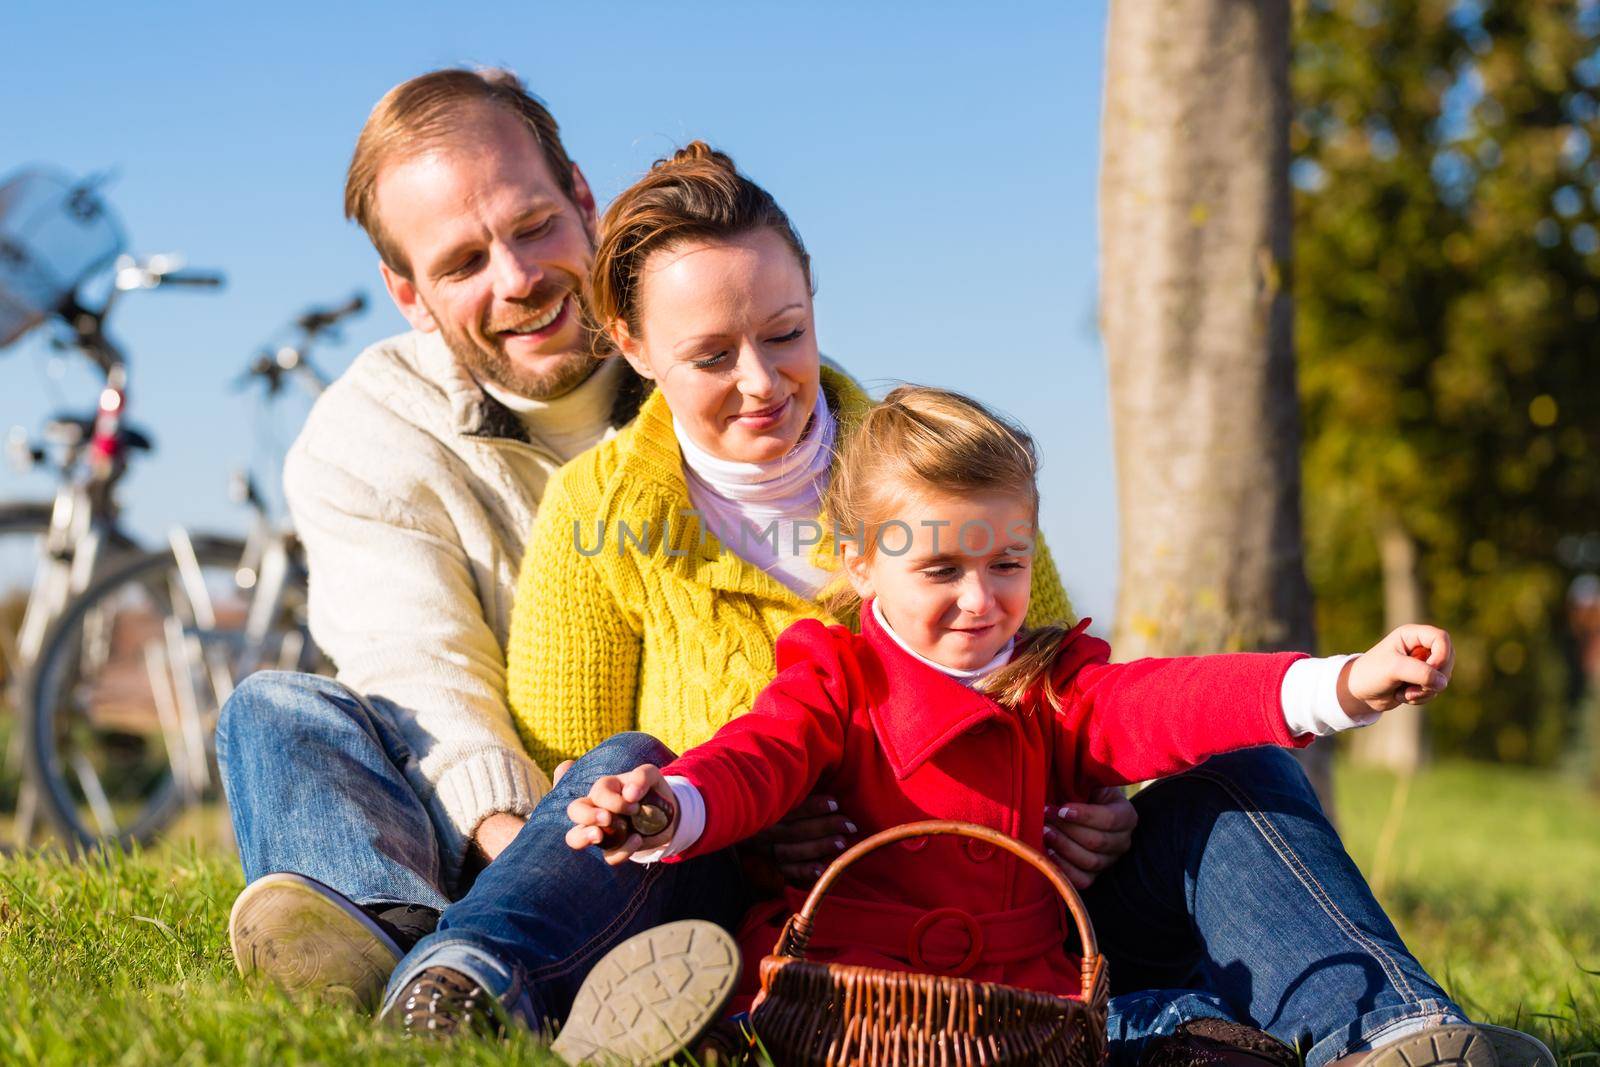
(663, 566)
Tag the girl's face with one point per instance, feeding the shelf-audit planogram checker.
(959, 590)
(725, 332)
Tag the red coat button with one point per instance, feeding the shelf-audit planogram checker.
(950, 925)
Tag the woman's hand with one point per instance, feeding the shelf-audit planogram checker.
(610, 797)
(800, 846)
(1410, 666)
(1083, 839)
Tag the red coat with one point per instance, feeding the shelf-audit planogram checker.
(896, 741)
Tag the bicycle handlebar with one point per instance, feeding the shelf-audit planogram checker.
(272, 366)
(318, 319)
(194, 279)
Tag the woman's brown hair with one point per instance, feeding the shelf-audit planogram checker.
(922, 441)
(696, 194)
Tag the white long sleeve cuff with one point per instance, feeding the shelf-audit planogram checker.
(691, 821)
(1310, 698)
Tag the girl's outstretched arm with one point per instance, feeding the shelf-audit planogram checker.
(1131, 722)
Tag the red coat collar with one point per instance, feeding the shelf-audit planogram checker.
(918, 709)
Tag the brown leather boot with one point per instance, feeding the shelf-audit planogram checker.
(1218, 1043)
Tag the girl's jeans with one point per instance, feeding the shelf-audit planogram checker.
(1237, 899)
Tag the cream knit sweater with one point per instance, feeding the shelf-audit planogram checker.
(412, 492)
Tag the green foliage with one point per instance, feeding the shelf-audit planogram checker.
(1446, 260)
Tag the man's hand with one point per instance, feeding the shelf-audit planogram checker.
(495, 832)
(807, 839)
(1083, 839)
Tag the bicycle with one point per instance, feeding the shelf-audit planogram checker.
(55, 237)
(175, 628)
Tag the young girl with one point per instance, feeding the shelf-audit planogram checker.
(943, 707)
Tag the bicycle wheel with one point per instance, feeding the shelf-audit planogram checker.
(24, 535)
(22, 532)
(128, 683)
(23, 529)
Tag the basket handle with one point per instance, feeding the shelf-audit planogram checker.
(797, 932)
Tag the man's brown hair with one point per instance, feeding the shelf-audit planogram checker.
(422, 113)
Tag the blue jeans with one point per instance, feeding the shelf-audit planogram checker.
(320, 782)
(1237, 899)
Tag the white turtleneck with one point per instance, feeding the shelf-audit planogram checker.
(572, 422)
(966, 678)
(752, 505)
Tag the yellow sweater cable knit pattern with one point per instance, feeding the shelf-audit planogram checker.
(675, 638)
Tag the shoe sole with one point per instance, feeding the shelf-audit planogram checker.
(1513, 1048)
(310, 941)
(652, 996)
(1439, 1046)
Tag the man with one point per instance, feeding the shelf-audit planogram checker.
(363, 807)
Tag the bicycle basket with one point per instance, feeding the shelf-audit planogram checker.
(54, 234)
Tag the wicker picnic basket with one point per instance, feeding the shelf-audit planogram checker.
(841, 1015)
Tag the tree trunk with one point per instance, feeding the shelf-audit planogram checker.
(1396, 740)
(1197, 320)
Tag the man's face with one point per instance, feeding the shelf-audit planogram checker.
(497, 254)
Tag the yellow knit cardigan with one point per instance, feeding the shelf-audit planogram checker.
(674, 639)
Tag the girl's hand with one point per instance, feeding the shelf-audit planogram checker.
(1410, 666)
(596, 816)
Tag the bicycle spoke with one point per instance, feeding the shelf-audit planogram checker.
(27, 812)
(180, 652)
(157, 667)
(192, 580)
(95, 794)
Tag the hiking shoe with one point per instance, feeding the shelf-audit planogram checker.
(1456, 1045)
(311, 941)
(1513, 1048)
(652, 996)
(406, 924)
(442, 1003)
(1218, 1042)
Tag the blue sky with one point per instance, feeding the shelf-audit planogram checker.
(939, 159)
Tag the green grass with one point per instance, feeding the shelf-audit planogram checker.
(1492, 875)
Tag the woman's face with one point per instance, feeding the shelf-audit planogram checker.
(725, 332)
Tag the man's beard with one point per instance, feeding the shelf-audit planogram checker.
(493, 365)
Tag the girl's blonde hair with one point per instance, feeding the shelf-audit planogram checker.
(924, 441)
